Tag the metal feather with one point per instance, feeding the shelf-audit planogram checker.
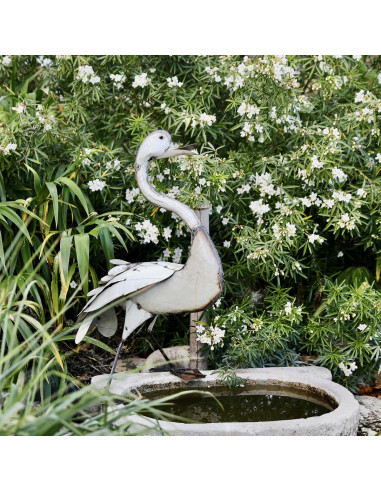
(107, 322)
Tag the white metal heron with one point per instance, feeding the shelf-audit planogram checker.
(157, 287)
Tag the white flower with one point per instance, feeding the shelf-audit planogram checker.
(173, 192)
(87, 151)
(225, 220)
(362, 327)
(20, 108)
(218, 209)
(316, 164)
(288, 308)
(147, 231)
(174, 82)
(9, 147)
(6, 60)
(227, 244)
(86, 74)
(297, 266)
(378, 158)
(243, 189)
(177, 255)
(131, 194)
(140, 80)
(259, 128)
(338, 174)
(73, 284)
(259, 208)
(346, 222)
(361, 193)
(118, 79)
(378, 77)
(44, 62)
(167, 233)
(211, 335)
(360, 96)
(340, 254)
(95, 79)
(348, 370)
(160, 177)
(166, 253)
(96, 185)
(315, 237)
(202, 181)
(86, 161)
(342, 196)
(113, 165)
(291, 229)
(208, 119)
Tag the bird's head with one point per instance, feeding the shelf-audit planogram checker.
(159, 145)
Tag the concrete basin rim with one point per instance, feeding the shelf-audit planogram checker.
(347, 406)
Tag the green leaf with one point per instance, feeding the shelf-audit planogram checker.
(107, 245)
(36, 179)
(65, 247)
(82, 247)
(13, 217)
(54, 194)
(74, 189)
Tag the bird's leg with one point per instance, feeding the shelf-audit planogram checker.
(124, 337)
(171, 366)
(115, 361)
(184, 374)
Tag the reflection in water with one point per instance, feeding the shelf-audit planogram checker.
(242, 407)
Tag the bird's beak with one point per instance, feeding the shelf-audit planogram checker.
(173, 151)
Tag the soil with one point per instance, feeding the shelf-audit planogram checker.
(88, 360)
(375, 390)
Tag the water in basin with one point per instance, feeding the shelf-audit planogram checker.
(252, 404)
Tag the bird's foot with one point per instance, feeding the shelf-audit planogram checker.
(188, 374)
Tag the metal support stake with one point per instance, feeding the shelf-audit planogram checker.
(196, 360)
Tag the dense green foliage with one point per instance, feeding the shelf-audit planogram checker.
(289, 159)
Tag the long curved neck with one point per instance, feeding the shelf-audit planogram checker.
(164, 201)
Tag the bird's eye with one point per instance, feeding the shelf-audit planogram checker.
(161, 137)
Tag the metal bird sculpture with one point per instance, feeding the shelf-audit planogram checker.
(149, 289)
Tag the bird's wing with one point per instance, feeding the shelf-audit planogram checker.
(123, 280)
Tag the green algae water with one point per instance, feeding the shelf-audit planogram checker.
(245, 406)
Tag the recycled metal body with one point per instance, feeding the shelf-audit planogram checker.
(152, 288)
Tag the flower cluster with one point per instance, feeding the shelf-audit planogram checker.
(118, 80)
(210, 335)
(6, 60)
(19, 108)
(140, 80)
(214, 73)
(290, 309)
(202, 120)
(86, 74)
(259, 208)
(131, 194)
(174, 82)
(346, 222)
(96, 185)
(113, 165)
(148, 232)
(348, 369)
(8, 148)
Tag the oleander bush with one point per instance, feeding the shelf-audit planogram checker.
(289, 161)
